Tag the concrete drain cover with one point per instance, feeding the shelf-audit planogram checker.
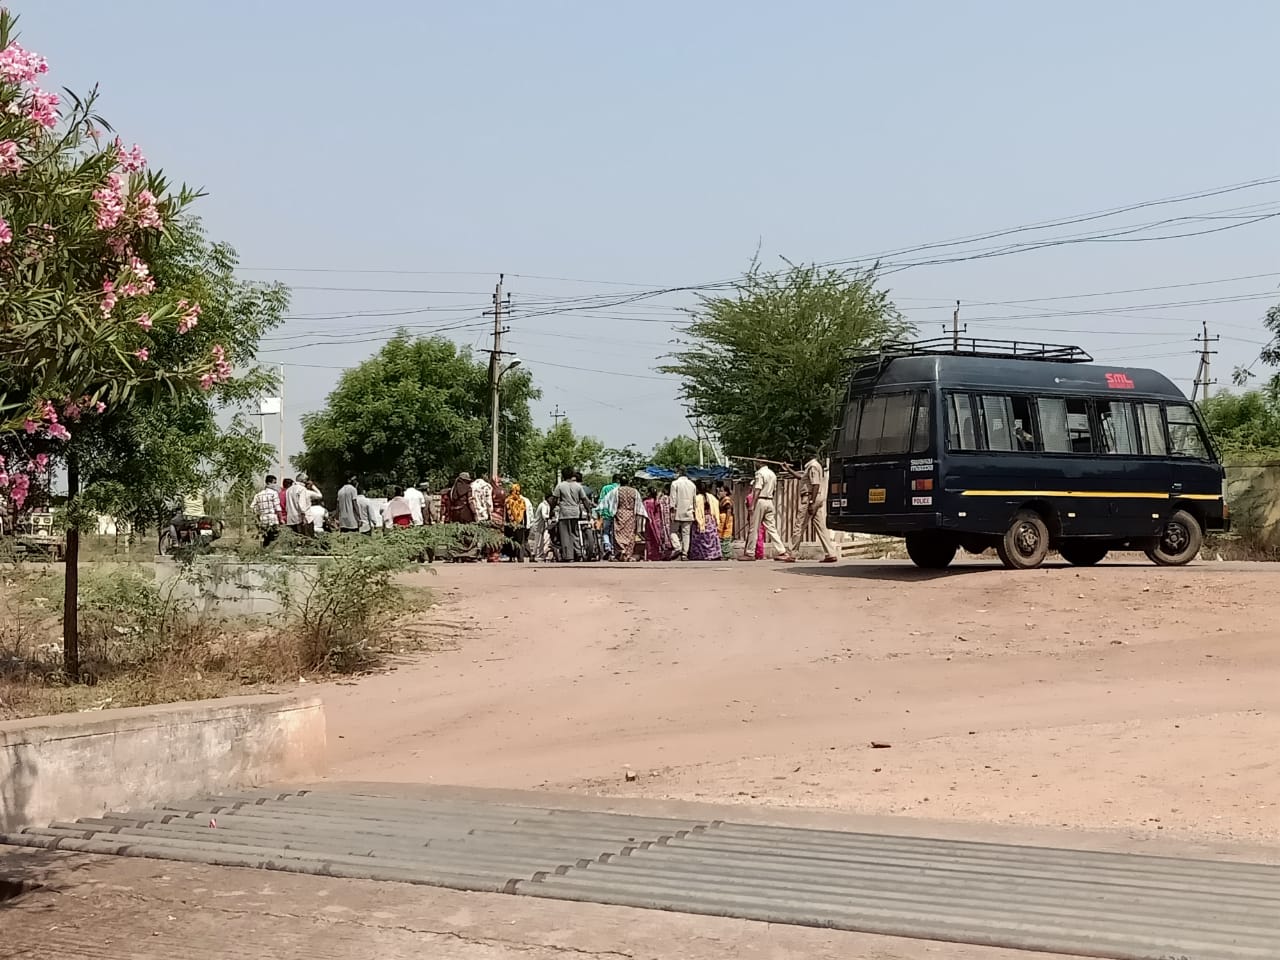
(1057, 901)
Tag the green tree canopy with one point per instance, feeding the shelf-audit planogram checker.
(763, 365)
(136, 459)
(678, 451)
(1245, 425)
(553, 450)
(417, 412)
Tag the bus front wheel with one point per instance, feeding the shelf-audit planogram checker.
(929, 551)
(1180, 541)
(1026, 543)
(1084, 554)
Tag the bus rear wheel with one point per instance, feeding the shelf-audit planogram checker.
(1083, 554)
(1026, 543)
(929, 551)
(1180, 541)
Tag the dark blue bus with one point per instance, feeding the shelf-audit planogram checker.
(1022, 448)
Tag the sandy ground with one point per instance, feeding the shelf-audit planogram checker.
(1123, 698)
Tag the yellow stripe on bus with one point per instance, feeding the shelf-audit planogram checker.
(1090, 494)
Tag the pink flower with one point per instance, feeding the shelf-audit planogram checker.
(71, 411)
(49, 412)
(144, 321)
(42, 461)
(18, 492)
(30, 426)
(138, 268)
(207, 381)
(10, 162)
(147, 213)
(108, 297)
(131, 160)
(190, 318)
(142, 353)
(42, 108)
(19, 66)
(118, 245)
(110, 202)
(6, 234)
(99, 407)
(58, 432)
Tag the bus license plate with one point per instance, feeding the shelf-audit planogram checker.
(875, 495)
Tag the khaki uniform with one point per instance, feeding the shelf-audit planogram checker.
(815, 474)
(765, 486)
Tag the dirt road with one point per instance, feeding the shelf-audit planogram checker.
(1120, 697)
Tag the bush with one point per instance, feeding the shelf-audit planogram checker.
(352, 598)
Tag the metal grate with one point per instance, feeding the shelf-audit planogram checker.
(1062, 901)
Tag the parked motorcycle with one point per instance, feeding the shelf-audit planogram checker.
(184, 531)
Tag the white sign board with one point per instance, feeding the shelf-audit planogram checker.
(269, 405)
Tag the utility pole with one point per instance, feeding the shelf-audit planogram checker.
(955, 328)
(283, 466)
(557, 415)
(495, 372)
(1203, 380)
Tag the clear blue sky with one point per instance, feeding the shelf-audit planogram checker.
(661, 143)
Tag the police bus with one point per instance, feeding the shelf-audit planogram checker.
(977, 444)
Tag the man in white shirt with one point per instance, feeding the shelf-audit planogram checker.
(266, 508)
(813, 507)
(416, 502)
(482, 497)
(683, 494)
(316, 516)
(764, 486)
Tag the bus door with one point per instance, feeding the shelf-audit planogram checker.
(879, 483)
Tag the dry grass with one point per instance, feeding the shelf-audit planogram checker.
(134, 656)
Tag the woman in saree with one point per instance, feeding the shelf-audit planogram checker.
(657, 532)
(704, 544)
(627, 522)
(751, 502)
(516, 529)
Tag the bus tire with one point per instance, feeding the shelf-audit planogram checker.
(1026, 543)
(1083, 553)
(928, 551)
(1180, 541)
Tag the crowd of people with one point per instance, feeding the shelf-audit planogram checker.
(685, 521)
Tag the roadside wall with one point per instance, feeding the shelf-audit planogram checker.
(1253, 493)
(79, 765)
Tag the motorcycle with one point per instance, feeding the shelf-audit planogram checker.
(185, 532)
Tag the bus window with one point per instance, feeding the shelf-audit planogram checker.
(920, 440)
(961, 434)
(1153, 430)
(1065, 425)
(1053, 425)
(848, 442)
(998, 414)
(872, 425)
(1024, 425)
(1118, 428)
(897, 423)
(1184, 433)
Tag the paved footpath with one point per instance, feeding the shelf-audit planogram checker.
(1102, 903)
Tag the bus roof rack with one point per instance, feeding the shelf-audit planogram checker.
(978, 347)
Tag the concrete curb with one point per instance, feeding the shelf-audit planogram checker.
(66, 766)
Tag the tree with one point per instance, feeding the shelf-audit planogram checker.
(81, 313)
(764, 365)
(680, 451)
(416, 412)
(627, 461)
(136, 460)
(557, 448)
(1245, 424)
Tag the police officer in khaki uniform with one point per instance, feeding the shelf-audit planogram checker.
(813, 507)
